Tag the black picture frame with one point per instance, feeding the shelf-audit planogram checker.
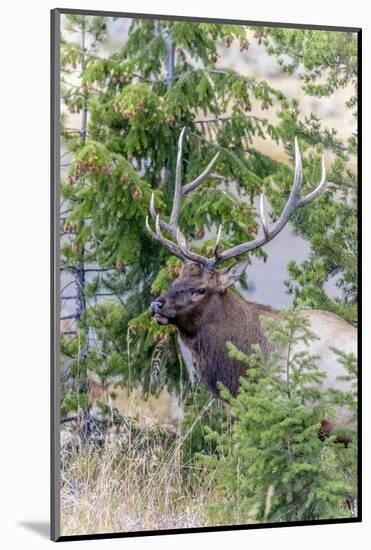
(55, 285)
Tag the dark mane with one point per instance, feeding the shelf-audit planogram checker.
(227, 318)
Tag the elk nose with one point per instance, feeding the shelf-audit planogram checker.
(157, 304)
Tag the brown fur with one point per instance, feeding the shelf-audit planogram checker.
(208, 315)
(226, 318)
(327, 428)
(217, 317)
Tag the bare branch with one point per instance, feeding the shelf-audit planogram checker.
(68, 419)
(72, 316)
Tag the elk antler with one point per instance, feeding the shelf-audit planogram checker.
(180, 249)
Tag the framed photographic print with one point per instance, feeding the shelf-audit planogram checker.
(205, 300)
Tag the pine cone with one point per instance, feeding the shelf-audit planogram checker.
(137, 195)
(244, 46)
(170, 120)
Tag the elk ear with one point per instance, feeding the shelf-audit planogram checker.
(230, 275)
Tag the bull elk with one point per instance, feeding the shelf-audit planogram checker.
(208, 315)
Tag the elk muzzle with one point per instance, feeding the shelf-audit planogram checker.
(156, 310)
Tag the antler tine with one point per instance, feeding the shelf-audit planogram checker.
(196, 182)
(178, 181)
(217, 176)
(172, 247)
(318, 190)
(151, 232)
(263, 216)
(217, 242)
(295, 201)
(158, 236)
(188, 254)
(152, 207)
(298, 177)
(155, 235)
(294, 197)
(180, 250)
(154, 215)
(181, 240)
(291, 204)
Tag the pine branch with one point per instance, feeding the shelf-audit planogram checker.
(68, 419)
(71, 316)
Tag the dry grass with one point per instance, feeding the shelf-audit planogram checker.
(133, 483)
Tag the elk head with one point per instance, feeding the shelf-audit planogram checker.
(192, 294)
(200, 282)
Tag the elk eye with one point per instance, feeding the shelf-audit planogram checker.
(201, 290)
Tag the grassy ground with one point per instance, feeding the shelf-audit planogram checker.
(133, 483)
(145, 477)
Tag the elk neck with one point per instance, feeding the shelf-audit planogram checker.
(225, 317)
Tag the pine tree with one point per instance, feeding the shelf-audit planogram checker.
(74, 58)
(132, 105)
(137, 104)
(272, 465)
(328, 62)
